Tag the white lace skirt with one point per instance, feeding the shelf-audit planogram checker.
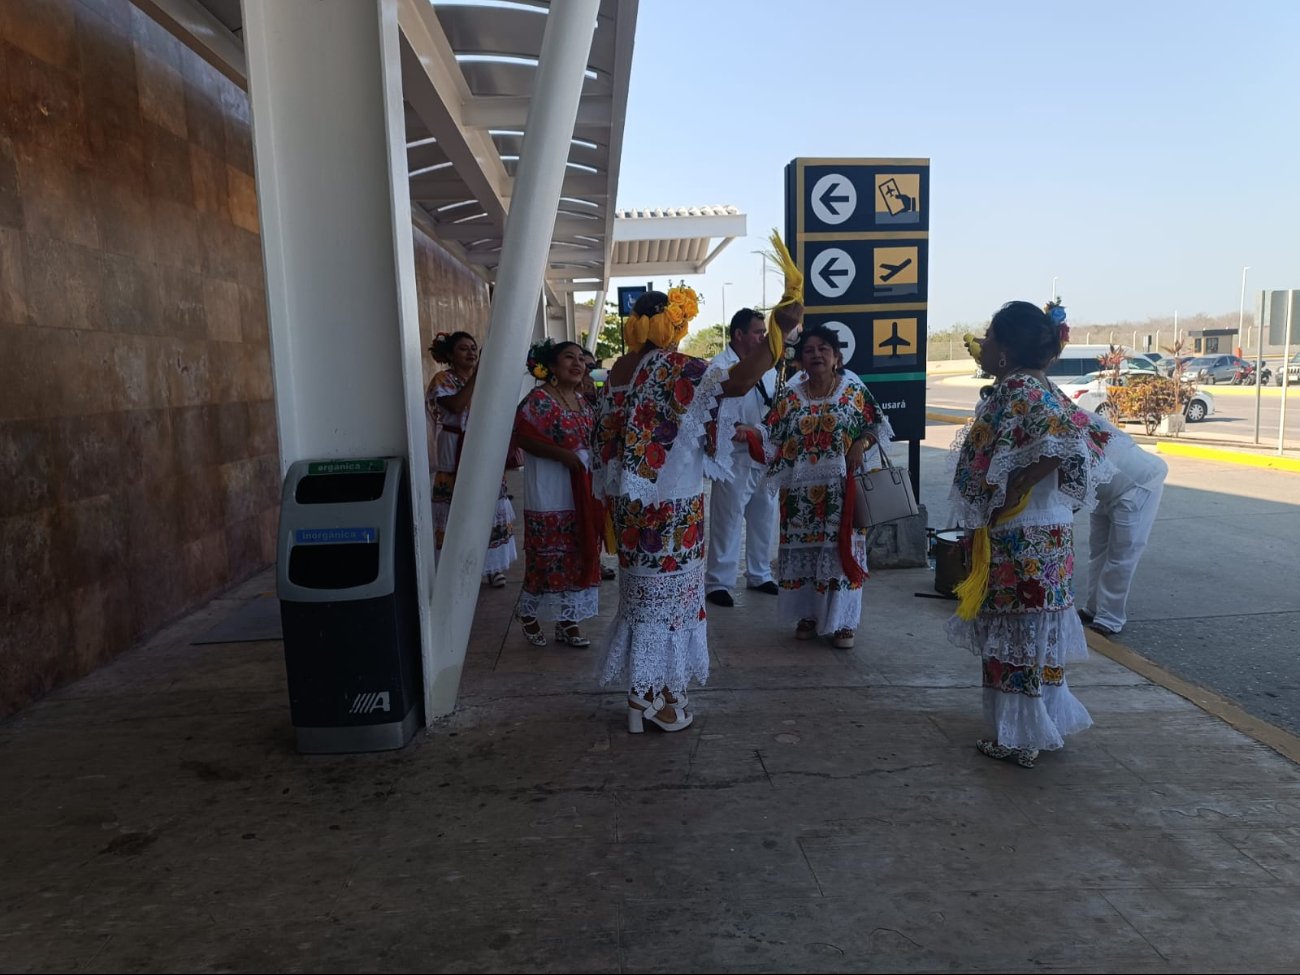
(814, 587)
(1040, 722)
(659, 637)
(570, 606)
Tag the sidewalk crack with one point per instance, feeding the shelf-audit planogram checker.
(816, 879)
(1136, 930)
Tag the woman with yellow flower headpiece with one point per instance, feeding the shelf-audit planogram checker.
(448, 399)
(656, 439)
(563, 522)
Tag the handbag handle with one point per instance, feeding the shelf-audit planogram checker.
(886, 465)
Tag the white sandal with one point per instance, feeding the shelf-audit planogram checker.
(532, 628)
(639, 711)
(570, 634)
(497, 580)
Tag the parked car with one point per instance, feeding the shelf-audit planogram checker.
(1292, 370)
(1152, 357)
(1138, 363)
(1089, 392)
(1214, 368)
(1169, 362)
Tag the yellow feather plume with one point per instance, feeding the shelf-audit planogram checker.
(793, 291)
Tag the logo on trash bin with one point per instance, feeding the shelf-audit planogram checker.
(369, 702)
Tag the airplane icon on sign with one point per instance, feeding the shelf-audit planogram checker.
(892, 269)
(894, 342)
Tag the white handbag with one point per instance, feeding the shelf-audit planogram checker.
(882, 495)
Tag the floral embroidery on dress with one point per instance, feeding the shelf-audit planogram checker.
(1021, 421)
(664, 537)
(803, 432)
(640, 424)
(1031, 570)
(570, 429)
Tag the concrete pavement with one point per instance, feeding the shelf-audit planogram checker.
(826, 812)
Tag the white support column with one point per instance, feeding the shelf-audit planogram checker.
(524, 251)
(336, 238)
(570, 313)
(597, 322)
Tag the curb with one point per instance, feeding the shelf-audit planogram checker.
(1280, 740)
(1222, 389)
(1272, 462)
(946, 416)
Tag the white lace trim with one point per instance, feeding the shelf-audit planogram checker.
(1021, 721)
(500, 557)
(657, 639)
(721, 464)
(645, 658)
(1050, 639)
(568, 606)
(1004, 463)
(803, 567)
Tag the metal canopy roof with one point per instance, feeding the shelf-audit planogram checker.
(468, 71)
(672, 241)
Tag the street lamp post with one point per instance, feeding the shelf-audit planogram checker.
(1052, 296)
(1241, 311)
(763, 275)
(725, 285)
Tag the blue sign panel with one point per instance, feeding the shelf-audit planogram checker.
(627, 298)
(335, 536)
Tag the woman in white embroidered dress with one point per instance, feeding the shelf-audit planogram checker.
(818, 431)
(449, 395)
(656, 437)
(1028, 461)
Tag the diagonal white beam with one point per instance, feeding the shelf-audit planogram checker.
(566, 45)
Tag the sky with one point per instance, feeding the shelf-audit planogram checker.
(1141, 153)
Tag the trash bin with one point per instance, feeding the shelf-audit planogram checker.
(345, 576)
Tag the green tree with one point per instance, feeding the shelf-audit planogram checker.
(705, 342)
(609, 344)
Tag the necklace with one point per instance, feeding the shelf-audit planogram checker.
(560, 395)
(821, 396)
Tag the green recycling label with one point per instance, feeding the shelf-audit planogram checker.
(375, 466)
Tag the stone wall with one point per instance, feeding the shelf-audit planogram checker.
(138, 458)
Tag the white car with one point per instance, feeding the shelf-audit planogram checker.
(1090, 393)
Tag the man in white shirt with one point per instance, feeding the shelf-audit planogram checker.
(1120, 527)
(744, 500)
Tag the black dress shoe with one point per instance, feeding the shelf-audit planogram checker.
(770, 587)
(720, 597)
(1105, 631)
(1085, 616)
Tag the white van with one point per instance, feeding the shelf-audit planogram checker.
(1079, 360)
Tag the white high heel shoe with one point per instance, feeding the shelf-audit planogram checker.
(639, 711)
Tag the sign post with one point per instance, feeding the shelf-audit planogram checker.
(861, 230)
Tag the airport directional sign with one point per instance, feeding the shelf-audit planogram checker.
(860, 230)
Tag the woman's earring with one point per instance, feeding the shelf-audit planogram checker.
(1002, 361)
(553, 380)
